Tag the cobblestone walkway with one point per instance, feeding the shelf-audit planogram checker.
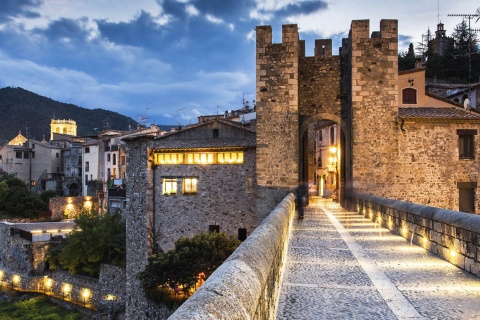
(343, 266)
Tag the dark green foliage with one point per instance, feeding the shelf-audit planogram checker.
(16, 200)
(47, 194)
(20, 107)
(181, 268)
(406, 60)
(36, 308)
(98, 240)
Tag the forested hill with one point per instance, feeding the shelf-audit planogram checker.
(21, 109)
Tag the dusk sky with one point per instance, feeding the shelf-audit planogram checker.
(173, 60)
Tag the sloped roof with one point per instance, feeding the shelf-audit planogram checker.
(433, 114)
(217, 143)
(208, 122)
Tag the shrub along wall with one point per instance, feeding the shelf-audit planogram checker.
(247, 284)
(452, 235)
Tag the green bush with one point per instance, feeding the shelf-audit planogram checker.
(179, 270)
(96, 240)
(16, 200)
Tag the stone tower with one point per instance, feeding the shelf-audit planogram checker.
(373, 62)
(357, 90)
(277, 117)
(68, 127)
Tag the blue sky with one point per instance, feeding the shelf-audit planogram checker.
(173, 60)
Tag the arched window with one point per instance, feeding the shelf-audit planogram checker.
(409, 96)
(64, 130)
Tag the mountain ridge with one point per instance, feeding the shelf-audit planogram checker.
(31, 113)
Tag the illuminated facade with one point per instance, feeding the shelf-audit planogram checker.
(68, 127)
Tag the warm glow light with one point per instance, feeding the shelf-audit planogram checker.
(1, 275)
(66, 230)
(88, 204)
(109, 297)
(404, 230)
(52, 231)
(86, 294)
(425, 240)
(36, 231)
(333, 149)
(16, 279)
(453, 253)
(66, 288)
(48, 284)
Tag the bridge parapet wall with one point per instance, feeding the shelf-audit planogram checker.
(452, 235)
(247, 284)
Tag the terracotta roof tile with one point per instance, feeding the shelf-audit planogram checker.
(218, 143)
(431, 113)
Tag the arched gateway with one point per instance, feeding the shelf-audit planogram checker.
(299, 98)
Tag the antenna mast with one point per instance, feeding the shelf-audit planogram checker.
(470, 30)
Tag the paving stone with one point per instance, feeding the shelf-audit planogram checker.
(324, 280)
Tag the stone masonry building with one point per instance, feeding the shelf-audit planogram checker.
(391, 142)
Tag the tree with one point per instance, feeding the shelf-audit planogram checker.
(406, 60)
(95, 240)
(17, 200)
(193, 259)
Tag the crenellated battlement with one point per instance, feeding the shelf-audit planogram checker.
(360, 29)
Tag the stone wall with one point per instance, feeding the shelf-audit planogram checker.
(70, 207)
(374, 64)
(429, 168)
(452, 235)
(247, 284)
(139, 220)
(222, 199)
(16, 253)
(277, 116)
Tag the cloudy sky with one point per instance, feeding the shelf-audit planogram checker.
(173, 60)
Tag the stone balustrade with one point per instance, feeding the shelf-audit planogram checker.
(452, 235)
(247, 284)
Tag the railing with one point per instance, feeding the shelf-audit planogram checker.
(247, 284)
(452, 235)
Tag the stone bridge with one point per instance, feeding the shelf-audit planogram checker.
(388, 260)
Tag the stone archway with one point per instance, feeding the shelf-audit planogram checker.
(339, 171)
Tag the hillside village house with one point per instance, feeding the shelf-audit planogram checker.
(37, 163)
(439, 145)
(203, 179)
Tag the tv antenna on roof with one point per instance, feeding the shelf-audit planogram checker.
(470, 30)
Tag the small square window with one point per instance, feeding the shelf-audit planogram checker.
(213, 228)
(466, 143)
(466, 199)
(190, 185)
(466, 196)
(169, 186)
(242, 234)
(87, 149)
(18, 154)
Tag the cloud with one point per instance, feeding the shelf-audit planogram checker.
(10, 9)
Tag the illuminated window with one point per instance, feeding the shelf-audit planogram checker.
(199, 158)
(190, 185)
(168, 158)
(169, 186)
